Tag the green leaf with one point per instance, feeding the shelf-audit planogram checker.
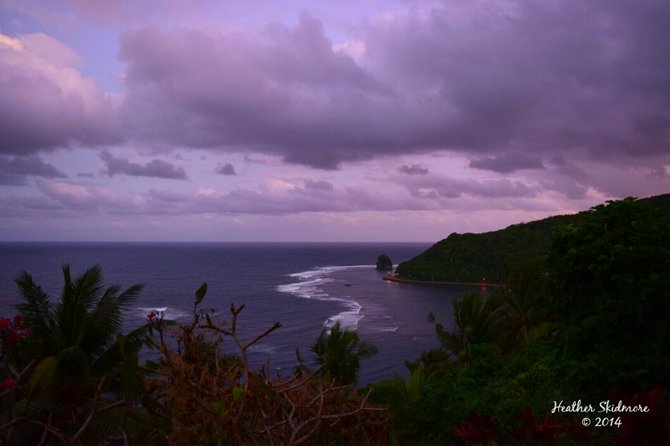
(43, 375)
(120, 340)
(151, 365)
(262, 386)
(200, 294)
(218, 407)
(237, 392)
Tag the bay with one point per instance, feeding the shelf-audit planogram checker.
(304, 286)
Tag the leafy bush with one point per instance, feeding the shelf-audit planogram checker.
(429, 409)
(200, 395)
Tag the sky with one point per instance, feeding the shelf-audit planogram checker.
(312, 120)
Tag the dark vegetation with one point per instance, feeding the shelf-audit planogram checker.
(489, 257)
(384, 262)
(70, 378)
(584, 320)
(587, 321)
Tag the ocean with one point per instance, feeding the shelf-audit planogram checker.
(304, 286)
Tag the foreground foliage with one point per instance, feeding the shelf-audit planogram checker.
(206, 397)
(71, 371)
(69, 377)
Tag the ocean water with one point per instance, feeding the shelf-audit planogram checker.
(305, 287)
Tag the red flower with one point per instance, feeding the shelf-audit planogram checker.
(18, 322)
(478, 430)
(4, 323)
(8, 383)
(651, 427)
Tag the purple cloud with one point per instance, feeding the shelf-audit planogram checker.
(507, 163)
(46, 103)
(154, 168)
(13, 171)
(82, 197)
(526, 78)
(569, 97)
(283, 91)
(434, 186)
(414, 169)
(318, 185)
(226, 169)
(296, 200)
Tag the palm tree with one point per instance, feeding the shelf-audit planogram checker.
(477, 321)
(81, 360)
(524, 317)
(340, 352)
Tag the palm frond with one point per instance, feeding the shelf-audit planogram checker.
(124, 347)
(105, 321)
(88, 288)
(71, 311)
(36, 309)
(366, 349)
(340, 352)
(73, 362)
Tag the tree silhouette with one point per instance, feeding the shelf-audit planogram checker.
(340, 352)
(76, 366)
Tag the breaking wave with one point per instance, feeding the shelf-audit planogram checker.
(310, 286)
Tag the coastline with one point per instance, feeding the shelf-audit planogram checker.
(397, 279)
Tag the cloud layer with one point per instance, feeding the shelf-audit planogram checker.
(581, 80)
(589, 81)
(429, 107)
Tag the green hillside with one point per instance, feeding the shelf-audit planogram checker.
(474, 257)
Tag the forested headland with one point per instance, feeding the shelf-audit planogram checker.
(490, 256)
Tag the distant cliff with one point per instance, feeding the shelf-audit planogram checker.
(487, 257)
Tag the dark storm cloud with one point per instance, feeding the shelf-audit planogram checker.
(539, 77)
(284, 91)
(13, 171)
(532, 78)
(154, 168)
(414, 169)
(226, 169)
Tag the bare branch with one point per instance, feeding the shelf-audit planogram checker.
(94, 407)
(269, 330)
